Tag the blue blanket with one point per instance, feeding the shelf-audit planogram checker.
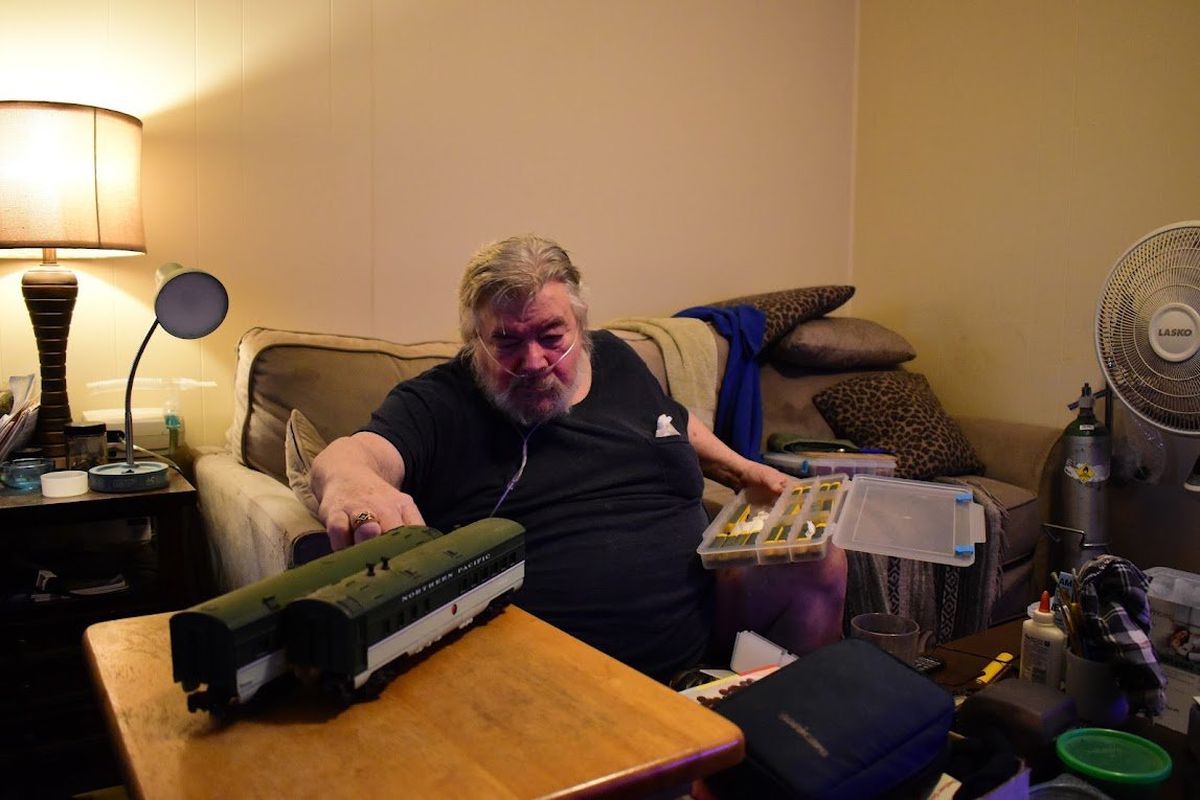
(739, 414)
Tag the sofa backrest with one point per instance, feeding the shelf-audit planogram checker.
(337, 381)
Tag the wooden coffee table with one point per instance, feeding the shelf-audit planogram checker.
(510, 708)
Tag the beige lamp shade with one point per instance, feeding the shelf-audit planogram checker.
(70, 178)
(70, 182)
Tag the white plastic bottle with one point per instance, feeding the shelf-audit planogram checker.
(1043, 647)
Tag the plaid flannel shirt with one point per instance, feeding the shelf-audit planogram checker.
(1116, 628)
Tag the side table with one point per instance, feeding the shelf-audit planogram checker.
(52, 733)
(966, 658)
(172, 508)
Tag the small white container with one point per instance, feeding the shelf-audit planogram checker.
(67, 483)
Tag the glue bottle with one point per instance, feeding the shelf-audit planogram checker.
(1043, 647)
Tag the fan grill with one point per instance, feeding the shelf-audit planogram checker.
(1162, 268)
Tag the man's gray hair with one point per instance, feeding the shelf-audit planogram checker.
(512, 271)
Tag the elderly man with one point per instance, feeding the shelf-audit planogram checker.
(566, 431)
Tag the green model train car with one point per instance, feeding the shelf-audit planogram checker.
(346, 632)
(233, 644)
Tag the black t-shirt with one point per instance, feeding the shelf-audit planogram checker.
(612, 511)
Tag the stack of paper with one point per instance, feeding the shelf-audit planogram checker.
(17, 426)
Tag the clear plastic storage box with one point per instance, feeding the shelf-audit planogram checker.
(936, 522)
(932, 522)
(810, 464)
(1175, 634)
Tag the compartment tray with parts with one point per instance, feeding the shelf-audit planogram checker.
(793, 527)
(934, 522)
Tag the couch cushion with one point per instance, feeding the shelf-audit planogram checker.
(788, 308)
(1023, 526)
(336, 381)
(843, 343)
(899, 413)
(302, 444)
(787, 397)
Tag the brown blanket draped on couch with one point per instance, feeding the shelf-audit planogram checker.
(951, 602)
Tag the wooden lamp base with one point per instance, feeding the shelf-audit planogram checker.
(50, 292)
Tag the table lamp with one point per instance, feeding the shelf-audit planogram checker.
(189, 304)
(70, 183)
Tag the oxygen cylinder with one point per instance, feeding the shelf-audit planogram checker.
(1087, 451)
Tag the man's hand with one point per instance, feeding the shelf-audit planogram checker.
(356, 511)
(355, 480)
(761, 480)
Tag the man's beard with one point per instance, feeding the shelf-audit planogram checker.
(553, 397)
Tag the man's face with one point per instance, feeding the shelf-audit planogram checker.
(528, 358)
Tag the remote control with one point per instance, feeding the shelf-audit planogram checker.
(928, 662)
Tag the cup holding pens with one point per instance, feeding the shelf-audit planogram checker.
(1093, 686)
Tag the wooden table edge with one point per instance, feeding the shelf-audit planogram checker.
(110, 715)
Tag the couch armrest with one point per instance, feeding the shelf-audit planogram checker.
(252, 521)
(716, 496)
(1019, 453)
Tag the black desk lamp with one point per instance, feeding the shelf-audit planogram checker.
(189, 304)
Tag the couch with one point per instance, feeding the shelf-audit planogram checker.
(257, 525)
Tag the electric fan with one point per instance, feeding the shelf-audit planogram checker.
(1148, 334)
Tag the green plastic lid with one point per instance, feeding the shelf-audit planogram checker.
(1113, 756)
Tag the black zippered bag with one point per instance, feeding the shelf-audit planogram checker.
(846, 721)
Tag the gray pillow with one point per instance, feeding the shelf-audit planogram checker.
(843, 343)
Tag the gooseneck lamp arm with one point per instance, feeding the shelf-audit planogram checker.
(129, 396)
(189, 304)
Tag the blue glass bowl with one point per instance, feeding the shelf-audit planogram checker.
(25, 474)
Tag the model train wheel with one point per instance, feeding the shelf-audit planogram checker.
(338, 688)
(497, 605)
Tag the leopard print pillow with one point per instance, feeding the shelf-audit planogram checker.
(788, 308)
(898, 412)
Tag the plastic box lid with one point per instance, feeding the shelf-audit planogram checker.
(924, 521)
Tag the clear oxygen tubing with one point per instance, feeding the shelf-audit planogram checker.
(520, 470)
(536, 373)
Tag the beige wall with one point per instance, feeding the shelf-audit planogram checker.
(1008, 153)
(334, 163)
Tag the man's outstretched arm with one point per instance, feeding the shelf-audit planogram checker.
(721, 463)
(357, 475)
